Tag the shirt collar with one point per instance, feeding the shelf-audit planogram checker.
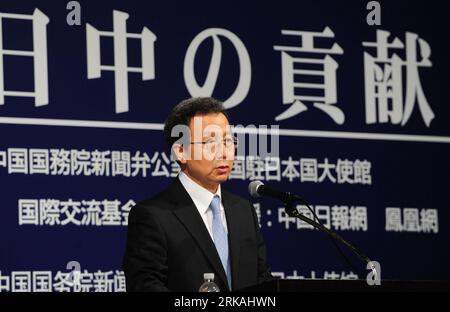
(202, 197)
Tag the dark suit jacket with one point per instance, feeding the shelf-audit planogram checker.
(169, 246)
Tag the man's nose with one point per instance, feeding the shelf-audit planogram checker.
(222, 152)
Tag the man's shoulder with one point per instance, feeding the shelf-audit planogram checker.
(160, 202)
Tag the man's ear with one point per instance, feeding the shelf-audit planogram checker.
(178, 151)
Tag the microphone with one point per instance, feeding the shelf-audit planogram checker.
(258, 189)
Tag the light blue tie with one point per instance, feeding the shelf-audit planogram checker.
(220, 237)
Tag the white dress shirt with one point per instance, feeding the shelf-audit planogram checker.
(202, 199)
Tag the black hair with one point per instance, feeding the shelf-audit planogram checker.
(185, 110)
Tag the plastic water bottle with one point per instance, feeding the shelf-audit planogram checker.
(209, 285)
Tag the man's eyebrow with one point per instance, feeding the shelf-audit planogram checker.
(228, 135)
(207, 137)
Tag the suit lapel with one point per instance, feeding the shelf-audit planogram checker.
(234, 226)
(188, 215)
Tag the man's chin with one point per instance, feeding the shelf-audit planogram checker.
(221, 178)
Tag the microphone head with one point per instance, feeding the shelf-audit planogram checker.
(253, 188)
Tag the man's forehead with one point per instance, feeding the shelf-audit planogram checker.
(210, 118)
(214, 130)
(210, 125)
(217, 120)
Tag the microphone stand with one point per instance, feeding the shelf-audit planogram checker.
(293, 212)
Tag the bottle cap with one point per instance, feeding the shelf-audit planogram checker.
(208, 276)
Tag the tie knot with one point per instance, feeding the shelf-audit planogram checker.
(215, 205)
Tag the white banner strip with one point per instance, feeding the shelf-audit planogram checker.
(281, 132)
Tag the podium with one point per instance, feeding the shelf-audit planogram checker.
(305, 285)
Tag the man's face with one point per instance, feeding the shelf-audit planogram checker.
(209, 157)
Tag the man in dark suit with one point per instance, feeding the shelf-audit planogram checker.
(195, 226)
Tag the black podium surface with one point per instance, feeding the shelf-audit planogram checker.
(304, 285)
